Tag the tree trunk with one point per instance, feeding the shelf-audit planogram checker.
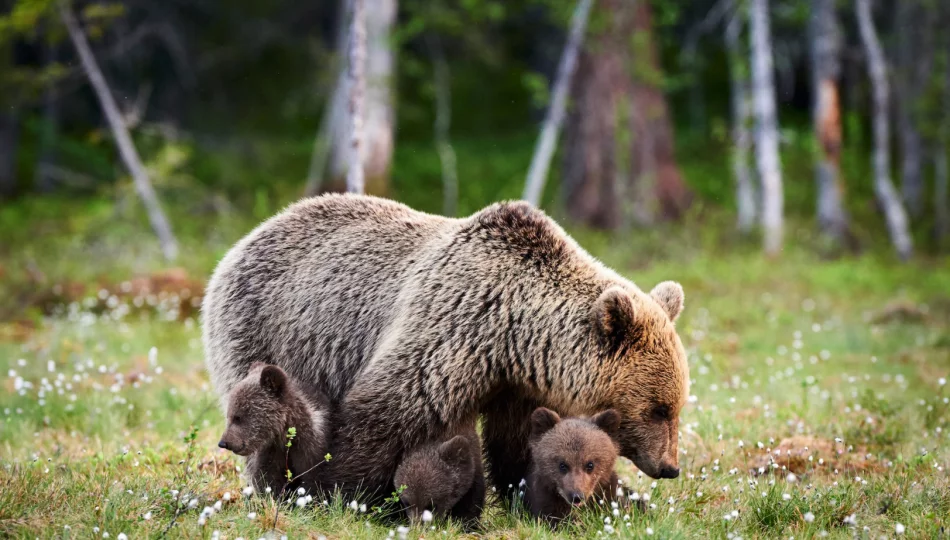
(443, 121)
(547, 143)
(654, 162)
(826, 70)
(766, 129)
(333, 116)
(883, 188)
(941, 172)
(126, 148)
(49, 129)
(377, 106)
(619, 164)
(741, 116)
(9, 136)
(908, 89)
(357, 81)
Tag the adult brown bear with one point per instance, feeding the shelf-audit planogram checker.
(415, 324)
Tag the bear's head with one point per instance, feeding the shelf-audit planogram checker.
(575, 455)
(645, 375)
(434, 477)
(256, 410)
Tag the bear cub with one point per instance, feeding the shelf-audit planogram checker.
(261, 409)
(445, 478)
(572, 461)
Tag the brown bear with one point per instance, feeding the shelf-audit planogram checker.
(261, 410)
(572, 460)
(415, 324)
(445, 478)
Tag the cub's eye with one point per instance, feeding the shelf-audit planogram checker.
(661, 412)
(563, 467)
(236, 420)
(590, 466)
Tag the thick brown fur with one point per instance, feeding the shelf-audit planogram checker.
(445, 477)
(414, 324)
(260, 411)
(572, 461)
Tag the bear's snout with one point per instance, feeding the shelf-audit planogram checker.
(669, 471)
(223, 444)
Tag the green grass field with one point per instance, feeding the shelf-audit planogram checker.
(820, 399)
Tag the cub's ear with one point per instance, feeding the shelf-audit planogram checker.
(608, 421)
(614, 314)
(273, 380)
(670, 296)
(542, 420)
(456, 451)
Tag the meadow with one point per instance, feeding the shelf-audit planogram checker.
(819, 403)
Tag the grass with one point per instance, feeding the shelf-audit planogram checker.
(829, 369)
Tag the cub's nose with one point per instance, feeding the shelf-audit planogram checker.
(669, 472)
(576, 498)
(223, 444)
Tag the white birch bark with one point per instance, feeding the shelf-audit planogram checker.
(443, 121)
(766, 129)
(355, 182)
(333, 119)
(133, 163)
(886, 194)
(547, 142)
(741, 116)
(377, 103)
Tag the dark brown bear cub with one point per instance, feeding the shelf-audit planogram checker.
(572, 460)
(261, 410)
(445, 478)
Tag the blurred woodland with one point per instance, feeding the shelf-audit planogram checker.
(831, 111)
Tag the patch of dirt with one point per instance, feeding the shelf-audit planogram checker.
(793, 453)
(901, 311)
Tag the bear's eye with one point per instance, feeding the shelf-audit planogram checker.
(661, 412)
(590, 466)
(235, 419)
(563, 467)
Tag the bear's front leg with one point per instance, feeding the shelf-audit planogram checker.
(505, 433)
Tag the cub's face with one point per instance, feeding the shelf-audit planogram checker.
(575, 456)
(648, 383)
(255, 412)
(436, 476)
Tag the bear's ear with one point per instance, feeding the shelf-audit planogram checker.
(456, 451)
(542, 421)
(614, 314)
(670, 296)
(273, 380)
(608, 421)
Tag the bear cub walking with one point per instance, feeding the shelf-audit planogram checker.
(572, 460)
(445, 478)
(261, 409)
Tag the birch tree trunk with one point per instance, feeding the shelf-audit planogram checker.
(826, 70)
(547, 142)
(355, 182)
(333, 116)
(143, 185)
(766, 128)
(443, 121)
(741, 117)
(883, 188)
(377, 104)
